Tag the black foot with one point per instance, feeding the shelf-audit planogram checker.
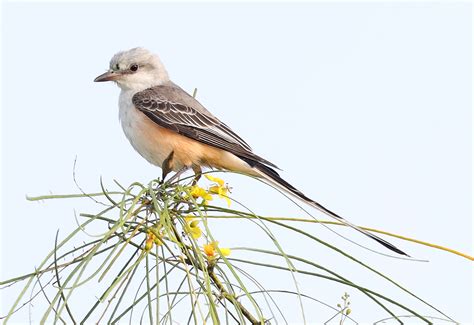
(166, 166)
(197, 174)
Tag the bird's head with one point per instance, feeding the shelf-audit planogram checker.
(135, 69)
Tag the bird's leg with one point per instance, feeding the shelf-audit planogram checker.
(166, 167)
(197, 174)
(178, 173)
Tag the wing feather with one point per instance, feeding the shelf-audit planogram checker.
(194, 123)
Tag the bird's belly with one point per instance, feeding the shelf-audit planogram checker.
(148, 139)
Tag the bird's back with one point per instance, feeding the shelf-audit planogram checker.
(174, 93)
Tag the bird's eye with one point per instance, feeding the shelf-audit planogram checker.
(134, 67)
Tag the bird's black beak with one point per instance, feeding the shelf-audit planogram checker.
(108, 76)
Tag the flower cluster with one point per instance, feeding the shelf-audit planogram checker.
(151, 239)
(198, 192)
(212, 250)
(217, 188)
(190, 226)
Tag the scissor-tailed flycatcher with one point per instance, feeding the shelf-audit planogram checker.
(171, 129)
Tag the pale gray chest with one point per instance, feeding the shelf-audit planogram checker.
(127, 115)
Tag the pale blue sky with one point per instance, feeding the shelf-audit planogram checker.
(366, 107)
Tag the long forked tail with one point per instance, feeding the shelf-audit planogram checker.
(272, 177)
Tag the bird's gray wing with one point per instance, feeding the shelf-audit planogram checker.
(191, 120)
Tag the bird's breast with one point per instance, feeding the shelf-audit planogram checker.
(146, 137)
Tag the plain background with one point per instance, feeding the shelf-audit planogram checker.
(365, 106)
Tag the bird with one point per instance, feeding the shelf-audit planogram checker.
(173, 130)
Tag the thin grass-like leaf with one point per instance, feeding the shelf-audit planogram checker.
(183, 272)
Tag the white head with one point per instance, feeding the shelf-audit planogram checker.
(135, 69)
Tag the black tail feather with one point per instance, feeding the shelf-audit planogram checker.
(275, 177)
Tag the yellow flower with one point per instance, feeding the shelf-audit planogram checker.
(211, 250)
(225, 251)
(158, 240)
(222, 192)
(199, 192)
(219, 189)
(149, 241)
(215, 179)
(148, 244)
(152, 239)
(192, 227)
